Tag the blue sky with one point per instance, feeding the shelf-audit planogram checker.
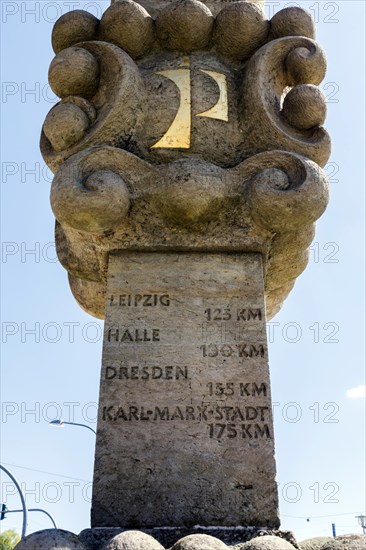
(51, 350)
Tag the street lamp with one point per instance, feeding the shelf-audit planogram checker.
(6, 511)
(61, 424)
(24, 506)
(362, 521)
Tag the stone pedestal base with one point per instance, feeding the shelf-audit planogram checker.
(94, 539)
(100, 538)
(118, 539)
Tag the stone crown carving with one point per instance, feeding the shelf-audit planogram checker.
(186, 126)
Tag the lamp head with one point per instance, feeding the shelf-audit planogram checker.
(57, 423)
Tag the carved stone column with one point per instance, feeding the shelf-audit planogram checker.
(188, 149)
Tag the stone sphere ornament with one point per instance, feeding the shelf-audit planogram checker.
(65, 125)
(199, 542)
(51, 539)
(129, 26)
(240, 29)
(345, 542)
(75, 72)
(305, 107)
(132, 540)
(292, 21)
(185, 26)
(73, 27)
(267, 542)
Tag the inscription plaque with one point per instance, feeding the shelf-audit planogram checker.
(185, 432)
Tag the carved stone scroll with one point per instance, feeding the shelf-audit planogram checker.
(189, 110)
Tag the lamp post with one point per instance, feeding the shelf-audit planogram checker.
(61, 423)
(24, 506)
(362, 521)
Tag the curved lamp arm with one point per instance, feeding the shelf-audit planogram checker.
(60, 423)
(34, 510)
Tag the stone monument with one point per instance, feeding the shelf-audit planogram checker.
(188, 150)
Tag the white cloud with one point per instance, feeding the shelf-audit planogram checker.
(357, 393)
